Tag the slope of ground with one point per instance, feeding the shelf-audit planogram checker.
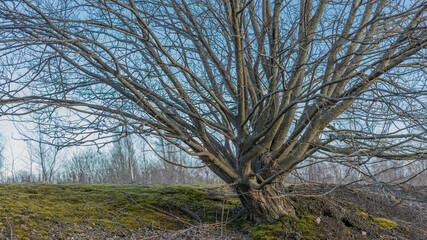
(352, 212)
(42, 211)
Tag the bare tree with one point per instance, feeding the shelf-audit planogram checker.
(81, 167)
(46, 156)
(123, 160)
(30, 161)
(2, 146)
(252, 88)
(88, 166)
(130, 154)
(144, 164)
(173, 160)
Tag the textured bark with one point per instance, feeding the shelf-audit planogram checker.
(265, 205)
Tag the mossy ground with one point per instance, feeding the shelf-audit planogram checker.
(42, 211)
(304, 227)
(383, 222)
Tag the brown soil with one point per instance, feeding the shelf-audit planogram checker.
(350, 212)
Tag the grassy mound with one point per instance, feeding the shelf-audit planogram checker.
(42, 211)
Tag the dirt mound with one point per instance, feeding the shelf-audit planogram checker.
(45, 211)
(351, 212)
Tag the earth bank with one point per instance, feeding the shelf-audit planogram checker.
(42, 211)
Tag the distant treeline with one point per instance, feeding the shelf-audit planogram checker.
(128, 161)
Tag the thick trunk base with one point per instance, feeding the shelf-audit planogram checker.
(266, 205)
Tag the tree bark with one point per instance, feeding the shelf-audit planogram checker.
(266, 205)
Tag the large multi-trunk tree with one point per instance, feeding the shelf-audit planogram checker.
(251, 87)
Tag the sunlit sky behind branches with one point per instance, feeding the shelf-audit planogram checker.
(15, 145)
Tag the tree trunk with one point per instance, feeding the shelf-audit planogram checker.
(266, 205)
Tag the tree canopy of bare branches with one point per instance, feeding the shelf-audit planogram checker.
(251, 87)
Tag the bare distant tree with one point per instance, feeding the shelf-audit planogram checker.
(252, 88)
(88, 166)
(123, 160)
(46, 156)
(30, 161)
(144, 162)
(81, 167)
(130, 155)
(2, 146)
(173, 160)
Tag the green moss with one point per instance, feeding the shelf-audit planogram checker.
(304, 226)
(70, 209)
(363, 214)
(233, 201)
(266, 231)
(383, 222)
